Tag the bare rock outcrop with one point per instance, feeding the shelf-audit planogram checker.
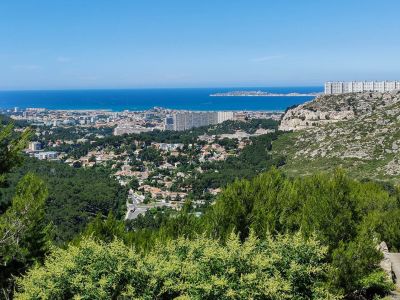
(386, 264)
(359, 132)
(327, 109)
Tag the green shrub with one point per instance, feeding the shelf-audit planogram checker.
(286, 267)
(348, 216)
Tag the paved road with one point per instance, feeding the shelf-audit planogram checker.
(135, 207)
(132, 207)
(133, 212)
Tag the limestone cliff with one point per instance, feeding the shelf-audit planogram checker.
(333, 108)
(359, 132)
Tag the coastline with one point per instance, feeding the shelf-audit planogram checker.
(262, 94)
(140, 100)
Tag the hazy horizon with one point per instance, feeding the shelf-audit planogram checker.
(163, 88)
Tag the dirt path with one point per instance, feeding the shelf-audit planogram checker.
(395, 260)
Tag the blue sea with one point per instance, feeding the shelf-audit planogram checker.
(142, 99)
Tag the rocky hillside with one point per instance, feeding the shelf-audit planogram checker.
(359, 132)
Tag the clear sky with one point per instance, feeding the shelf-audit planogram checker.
(56, 44)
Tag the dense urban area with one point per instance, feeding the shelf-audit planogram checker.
(144, 152)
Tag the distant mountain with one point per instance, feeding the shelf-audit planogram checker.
(359, 132)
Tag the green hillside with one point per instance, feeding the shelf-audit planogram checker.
(364, 138)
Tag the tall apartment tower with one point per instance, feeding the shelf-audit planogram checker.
(35, 146)
(169, 123)
(225, 116)
(342, 87)
(188, 119)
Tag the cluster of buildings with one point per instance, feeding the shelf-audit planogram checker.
(238, 134)
(133, 122)
(63, 118)
(168, 147)
(184, 120)
(130, 128)
(163, 182)
(35, 150)
(342, 87)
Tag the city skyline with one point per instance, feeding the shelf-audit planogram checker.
(181, 44)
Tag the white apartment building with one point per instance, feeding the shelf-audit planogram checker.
(189, 119)
(169, 123)
(35, 146)
(46, 155)
(341, 87)
(225, 116)
(168, 147)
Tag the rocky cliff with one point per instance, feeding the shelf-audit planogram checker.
(333, 108)
(359, 132)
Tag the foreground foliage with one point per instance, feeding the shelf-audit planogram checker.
(10, 147)
(24, 237)
(287, 267)
(348, 216)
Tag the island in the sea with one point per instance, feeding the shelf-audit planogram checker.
(261, 94)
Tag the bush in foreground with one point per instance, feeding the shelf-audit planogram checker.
(348, 216)
(286, 267)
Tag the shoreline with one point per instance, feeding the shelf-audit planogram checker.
(262, 94)
(141, 110)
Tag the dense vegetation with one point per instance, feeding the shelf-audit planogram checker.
(281, 268)
(23, 233)
(189, 136)
(74, 133)
(270, 237)
(10, 148)
(75, 195)
(254, 159)
(348, 217)
(126, 142)
(76, 137)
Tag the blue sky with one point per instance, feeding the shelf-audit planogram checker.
(57, 44)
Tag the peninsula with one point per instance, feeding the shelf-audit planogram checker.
(262, 94)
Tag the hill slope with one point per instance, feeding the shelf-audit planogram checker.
(359, 132)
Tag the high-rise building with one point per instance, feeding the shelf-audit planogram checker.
(189, 119)
(225, 116)
(341, 87)
(35, 146)
(169, 123)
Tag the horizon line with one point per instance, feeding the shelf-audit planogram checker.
(155, 88)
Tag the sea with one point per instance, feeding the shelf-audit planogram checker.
(197, 99)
